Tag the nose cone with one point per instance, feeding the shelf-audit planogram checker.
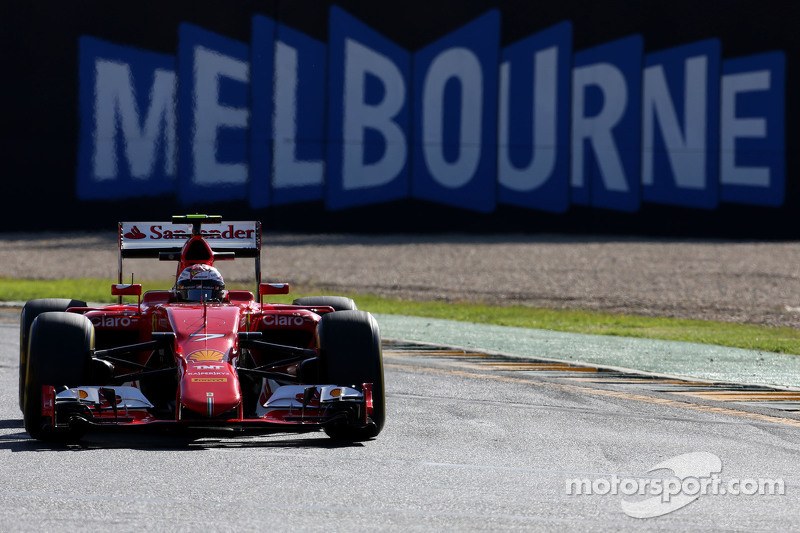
(209, 385)
(210, 392)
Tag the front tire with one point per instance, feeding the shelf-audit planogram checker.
(350, 349)
(30, 311)
(59, 354)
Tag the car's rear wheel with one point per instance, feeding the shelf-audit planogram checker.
(30, 311)
(59, 354)
(339, 303)
(350, 350)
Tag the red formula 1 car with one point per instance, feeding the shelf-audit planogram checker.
(198, 355)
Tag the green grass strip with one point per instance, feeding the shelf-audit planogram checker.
(748, 336)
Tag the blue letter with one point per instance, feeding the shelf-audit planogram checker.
(299, 126)
(368, 115)
(533, 147)
(606, 118)
(287, 125)
(455, 94)
(127, 110)
(213, 116)
(752, 144)
(681, 96)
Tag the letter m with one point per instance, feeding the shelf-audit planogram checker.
(577, 486)
(128, 128)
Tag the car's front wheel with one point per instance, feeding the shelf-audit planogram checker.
(59, 354)
(30, 311)
(350, 349)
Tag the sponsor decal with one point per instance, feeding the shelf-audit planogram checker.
(159, 232)
(142, 235)
(360, 120)
(240, 231)
(205, 356)
(134, 234)
(283, 320)
(114, 321)
(209, 380)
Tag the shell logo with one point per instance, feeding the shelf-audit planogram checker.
(205, 356)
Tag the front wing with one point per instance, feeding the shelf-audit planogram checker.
(291, 408)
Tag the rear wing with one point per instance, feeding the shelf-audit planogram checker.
(150, 239)
(164, 240)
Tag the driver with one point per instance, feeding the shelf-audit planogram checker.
(200, 283)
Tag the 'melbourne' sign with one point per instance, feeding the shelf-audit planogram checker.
(360, 120)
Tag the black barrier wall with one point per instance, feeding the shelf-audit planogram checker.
(646, 118)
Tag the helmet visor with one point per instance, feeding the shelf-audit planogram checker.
(200, 291)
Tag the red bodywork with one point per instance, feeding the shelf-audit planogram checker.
(206, 348)
(188, 360)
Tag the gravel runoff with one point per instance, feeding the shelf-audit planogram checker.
(755, 282)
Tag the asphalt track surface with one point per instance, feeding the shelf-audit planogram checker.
(467, 446)
(473, 441)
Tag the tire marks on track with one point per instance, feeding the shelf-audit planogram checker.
(755, 403)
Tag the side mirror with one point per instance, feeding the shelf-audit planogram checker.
(273, 288)
(130, 289)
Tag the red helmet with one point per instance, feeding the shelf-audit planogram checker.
(200, 283)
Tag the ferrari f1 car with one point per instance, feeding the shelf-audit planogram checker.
(198, 355)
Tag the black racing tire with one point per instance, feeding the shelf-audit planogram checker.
(339, 303)
(30, 311)
(350, 350)
(59, 354)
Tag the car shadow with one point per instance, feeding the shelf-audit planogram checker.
(20, 441)
(11, 424)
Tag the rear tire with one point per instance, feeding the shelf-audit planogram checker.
(339, 303)
(350, 349)
(30, 311)
(59, 354)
